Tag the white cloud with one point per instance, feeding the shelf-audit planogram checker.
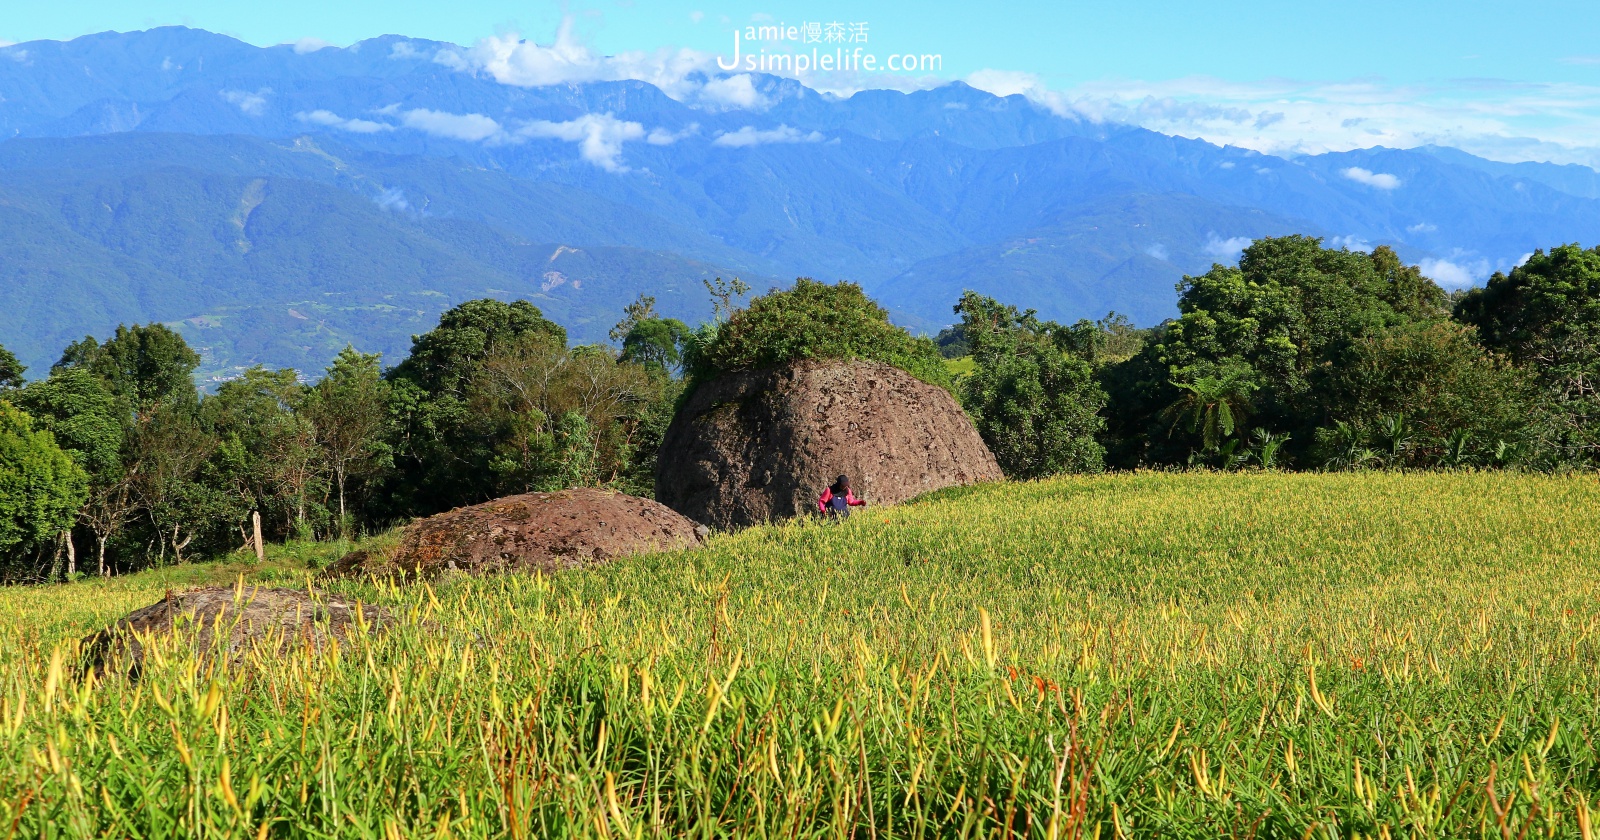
(1007, 82)
(1377, 180)
(1496, 119)
(1227, 249)
(332, 120)
(393, 198)
(249, 104)
(19, 56)
(1157, 250)
(687, 75)
(469, 127)
(1352, 241)
(599, 137)
(167, 65)
(405, 50)
(511, 60)
(1227, 164)
(308, 45)
(663, 137)
(752, 136)
(1015, 83)
(4, 43)
(696, 16)
(1454, 275)
(734, 92)
(1422, 227)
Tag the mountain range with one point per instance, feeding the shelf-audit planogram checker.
(274, 204)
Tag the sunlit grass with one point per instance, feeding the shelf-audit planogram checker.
(960, 367)
(1136, 655)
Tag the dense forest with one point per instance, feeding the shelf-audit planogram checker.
(1298, 357)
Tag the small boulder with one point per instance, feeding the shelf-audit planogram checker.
(541, 532)
(758, 446)
(229, 622)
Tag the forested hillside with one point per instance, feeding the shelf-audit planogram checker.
(1299, 356)
(271, 204)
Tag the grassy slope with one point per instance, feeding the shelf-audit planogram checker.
(1166, 655)
(960, 367)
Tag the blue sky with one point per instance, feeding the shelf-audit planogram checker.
(1511, 81)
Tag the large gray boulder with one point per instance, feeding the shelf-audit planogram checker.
(760, 446)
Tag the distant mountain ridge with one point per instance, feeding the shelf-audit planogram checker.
(275, 203)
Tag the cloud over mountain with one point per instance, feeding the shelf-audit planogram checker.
(331, 120)
(752, 136)
(599, 137)
(512, 60)
(1377, 180)
(249, 104)
(468, 127)
(1043, 198)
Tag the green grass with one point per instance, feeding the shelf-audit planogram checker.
(1148, 655)
(960, 367)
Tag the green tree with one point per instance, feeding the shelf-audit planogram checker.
(166, 450)
(148, 370)
(643, 428)
(76, 407)
(952, 342)
(11, 371)
(142, 365)
(348, 409)
(1289, 312)
(1214, 405)
(443, 450)
(656, 342)
(268, 455)
(41, 490)
(577, 457)
(643, 309)
(530, 397)
(1035, 403)
(724, 297)
(244, 415)
(1424, 394)
(444, 358)
(1545, 317)
(814, 320)
(88, 423)
(1109, 340)
(297, 470)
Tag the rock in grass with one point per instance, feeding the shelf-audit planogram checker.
(535, 532)
(228, 622)
(759, 446)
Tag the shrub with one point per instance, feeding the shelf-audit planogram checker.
(1422, 395)
(813, 320)
(41, 490)
(1033, 400)
(1545, 317)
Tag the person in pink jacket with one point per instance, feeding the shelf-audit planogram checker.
(836, 501)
